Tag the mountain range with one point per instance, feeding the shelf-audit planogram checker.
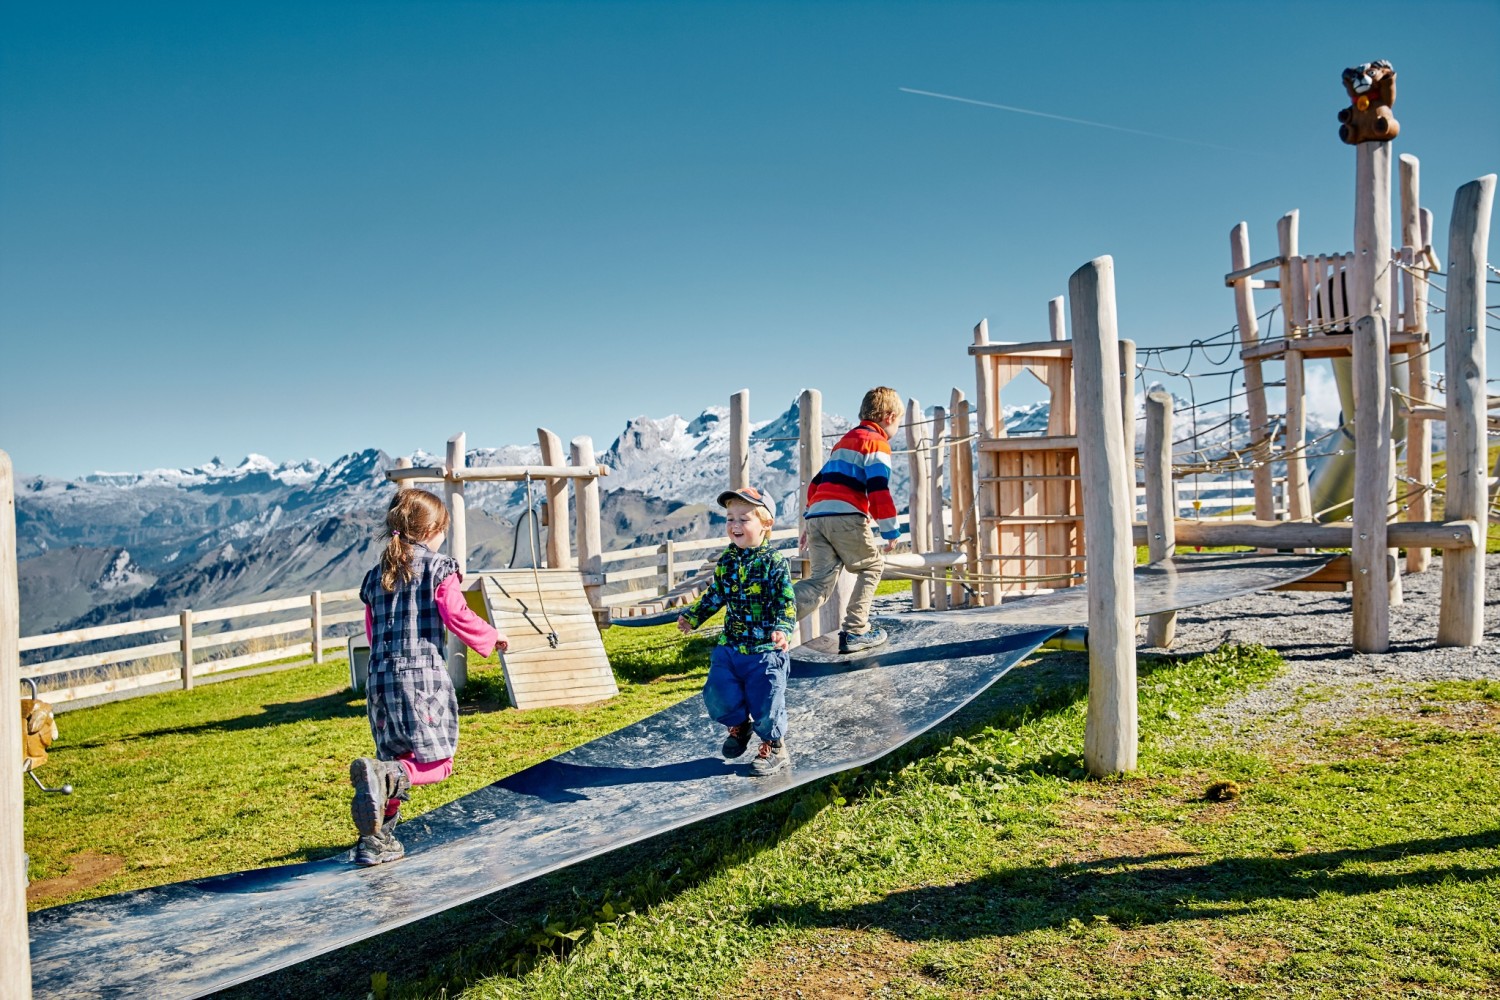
(113, 546)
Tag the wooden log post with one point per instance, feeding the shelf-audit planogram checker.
(559, 547)
(991, 426)
(1161, 505)
(669, 565)
(185, 646)
(1461, 619)
(1418, 432)
(1057, 323)
(739, 440)
(1110, 733)
(1255, 383)
(1369, 289)
(1293, 324)
(937, 531)
(917, 515)
(315, 626)
(15, 948)
(961, 477)
(829, 617)
(458, 546)
(587, 523)
(1127, 405)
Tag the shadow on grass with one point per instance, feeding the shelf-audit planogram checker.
(339, 705)
(1135, 891)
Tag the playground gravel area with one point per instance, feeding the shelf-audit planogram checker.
(1325, 681)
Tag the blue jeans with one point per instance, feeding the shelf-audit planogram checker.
(748, 686)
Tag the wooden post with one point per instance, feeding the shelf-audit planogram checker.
(1057, 324)
(185, 645)
(1418, 432)
(458, 548)
(991, 425)
(559, 543)
(1369, 288)
(1255, 384)
(1461, 620)
(15, 949)
(669, 565)
(1161, 505)
(1293, 318)
(315, 625)
(916, 512)
(961, 475)
(1127, 407)
(586, 511)
(938, 532)
(1110, 734)
(829, 617)
(739, 440)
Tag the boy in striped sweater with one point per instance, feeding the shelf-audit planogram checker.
(848, 500)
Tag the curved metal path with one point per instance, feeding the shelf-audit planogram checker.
(193, 938)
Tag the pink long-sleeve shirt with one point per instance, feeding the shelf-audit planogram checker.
(458, 618)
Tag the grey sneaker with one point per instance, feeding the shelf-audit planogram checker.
(379, 848)
(770, 758)
(858, 642)
(737, 740)
(367, 775)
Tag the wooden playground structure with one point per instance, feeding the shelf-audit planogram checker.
(994, 515)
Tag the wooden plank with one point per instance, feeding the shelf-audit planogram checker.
(202, 640)
(259, 608)
(1029, 443)
(68, 638)
(1327, 345)
(531, 659)
(51, 667)
(1036, 349)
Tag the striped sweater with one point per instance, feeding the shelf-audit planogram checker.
(856, 479)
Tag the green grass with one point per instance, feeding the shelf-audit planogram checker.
(254, 771)
(980, 860)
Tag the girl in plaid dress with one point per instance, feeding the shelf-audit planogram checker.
(410, 598)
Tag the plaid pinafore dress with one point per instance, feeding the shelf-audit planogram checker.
(409, 696)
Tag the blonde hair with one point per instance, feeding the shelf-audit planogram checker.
(413, 516)
(760, 512)
(880, 404)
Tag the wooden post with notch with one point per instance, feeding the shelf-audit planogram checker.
(739, 440)
(1373, 471)
(586, 511)
(559, 545)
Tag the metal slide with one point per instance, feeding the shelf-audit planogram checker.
(192, 938)
(1331, 486)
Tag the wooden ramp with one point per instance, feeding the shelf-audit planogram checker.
(529, 605)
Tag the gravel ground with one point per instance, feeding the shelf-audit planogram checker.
(1325, 680)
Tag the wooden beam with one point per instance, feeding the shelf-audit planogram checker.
(1161, 504)
(1455, 534)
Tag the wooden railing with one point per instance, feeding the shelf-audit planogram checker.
(80, 675)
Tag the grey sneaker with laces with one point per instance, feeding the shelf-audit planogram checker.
(736, 741)
(856, 642)
(770, 758)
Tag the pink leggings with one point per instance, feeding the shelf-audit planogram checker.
(420, 774)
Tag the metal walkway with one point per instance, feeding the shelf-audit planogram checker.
(192, 938)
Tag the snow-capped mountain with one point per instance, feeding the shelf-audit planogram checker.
(116, 545)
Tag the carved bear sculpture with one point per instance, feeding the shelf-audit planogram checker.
(1372, 91)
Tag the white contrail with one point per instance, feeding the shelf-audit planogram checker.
(1065, 118)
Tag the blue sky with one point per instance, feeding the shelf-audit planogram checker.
(303, 229)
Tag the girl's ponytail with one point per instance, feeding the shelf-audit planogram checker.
(413, 516)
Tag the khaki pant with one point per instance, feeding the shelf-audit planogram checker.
(834, 542)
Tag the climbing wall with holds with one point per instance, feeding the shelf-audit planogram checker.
(556, 655)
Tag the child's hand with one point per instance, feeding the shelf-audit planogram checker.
(779, 639)
(502, 643)
(890, 545)
(683, 626)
